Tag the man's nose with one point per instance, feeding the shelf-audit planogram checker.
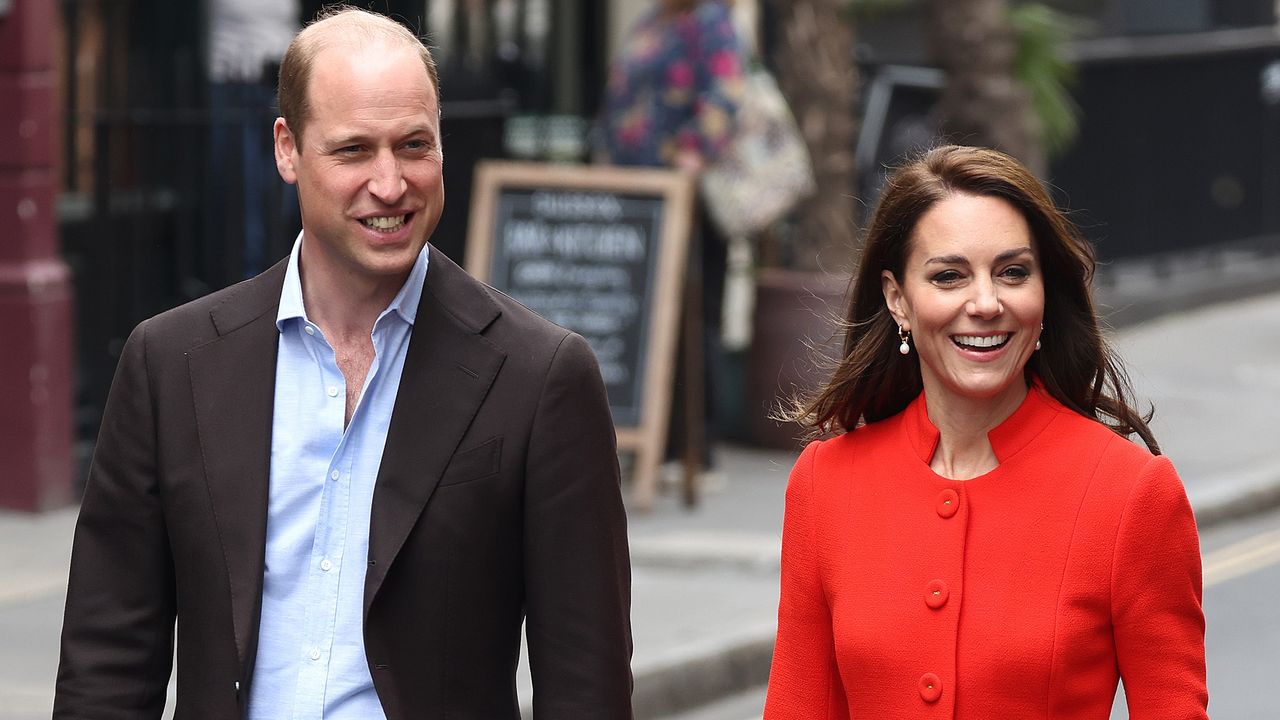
(985, 302)
(386, 181)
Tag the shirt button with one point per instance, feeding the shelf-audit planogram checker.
(315, 655)
(310, 330)
(936, 594)
(333, 391)
(325, 565)
(335, 475)
(948, 503)
(930, 688)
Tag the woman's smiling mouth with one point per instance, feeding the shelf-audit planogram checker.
(980, 343)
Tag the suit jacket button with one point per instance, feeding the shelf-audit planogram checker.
(948, 503)
(930, 688)
(936, 594)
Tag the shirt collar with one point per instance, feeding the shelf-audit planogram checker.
(404, 304)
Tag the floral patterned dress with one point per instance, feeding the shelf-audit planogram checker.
(676, 84)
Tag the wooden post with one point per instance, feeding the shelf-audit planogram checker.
(695, 436)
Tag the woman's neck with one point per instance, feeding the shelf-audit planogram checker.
(964, 450)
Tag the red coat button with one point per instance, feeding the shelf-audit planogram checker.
(936, 594)
(948, 503)
(930, 688)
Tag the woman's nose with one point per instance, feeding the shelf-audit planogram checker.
(985, 302)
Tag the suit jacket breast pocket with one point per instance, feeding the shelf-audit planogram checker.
(475, 463)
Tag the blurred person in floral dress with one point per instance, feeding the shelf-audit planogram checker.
(673, 91)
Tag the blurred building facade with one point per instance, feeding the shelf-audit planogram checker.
(143, 223)
(1179, 139)
(1179, 145)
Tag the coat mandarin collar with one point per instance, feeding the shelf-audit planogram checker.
(1035, 413)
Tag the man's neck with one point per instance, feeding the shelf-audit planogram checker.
(343, 315)
(345, 305)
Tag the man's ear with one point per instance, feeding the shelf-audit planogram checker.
(286, 149)
(894, 299)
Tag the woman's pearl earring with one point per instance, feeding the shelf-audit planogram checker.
(1038, 339)
(904, 336)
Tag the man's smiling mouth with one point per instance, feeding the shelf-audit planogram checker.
(386, 223)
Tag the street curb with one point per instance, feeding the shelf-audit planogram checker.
(1121, 314)
(1252, 501)
(1185, 280)
(670, 687)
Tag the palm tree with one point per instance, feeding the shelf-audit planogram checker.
(816, 73)
(983, 102)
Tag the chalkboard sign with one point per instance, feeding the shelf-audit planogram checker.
(599, 251)
(584, 260)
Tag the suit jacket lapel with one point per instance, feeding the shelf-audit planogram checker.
(447, 373)
(233, 388)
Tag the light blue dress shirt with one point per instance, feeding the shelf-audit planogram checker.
(311, 661)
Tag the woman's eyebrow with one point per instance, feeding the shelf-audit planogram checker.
(1015, 252)
(962, 260)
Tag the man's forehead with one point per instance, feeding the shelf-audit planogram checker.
(346, 52)
(366, 68)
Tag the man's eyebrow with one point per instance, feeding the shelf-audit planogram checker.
(356, 137)
(343, 140)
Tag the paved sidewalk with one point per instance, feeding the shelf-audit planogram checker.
(34, 554)
(705, 582)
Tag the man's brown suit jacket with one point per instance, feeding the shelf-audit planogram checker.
(498, 497)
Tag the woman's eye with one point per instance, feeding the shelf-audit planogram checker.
(1016, 272)
(946, 277)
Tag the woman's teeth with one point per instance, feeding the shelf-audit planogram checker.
(981, 342)
(384, 223)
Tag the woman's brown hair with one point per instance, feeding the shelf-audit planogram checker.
(871, 380)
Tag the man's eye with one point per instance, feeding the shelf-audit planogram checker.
(418, 146)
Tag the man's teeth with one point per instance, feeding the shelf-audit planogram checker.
(384, 223)
(981, 341)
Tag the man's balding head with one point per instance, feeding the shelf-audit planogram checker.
(337, 26)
